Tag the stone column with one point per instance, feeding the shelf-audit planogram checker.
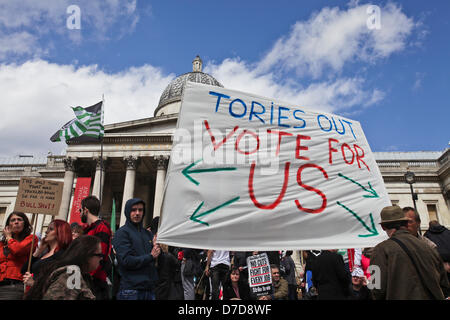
(99, 172)
(69, 164)
(161, 166)
(130, 179)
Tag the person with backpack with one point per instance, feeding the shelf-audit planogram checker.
(440, 235)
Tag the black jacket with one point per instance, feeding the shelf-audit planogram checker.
(169, 286)
(38, 263)
(240, 258)
(228, 292)
(363, 294)
(440, 235)
(330, 276)
(133, 245)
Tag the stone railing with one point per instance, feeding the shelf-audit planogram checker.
(55, 161)
(389, 164)
(408, 164)
(7, 169)
(422, 164)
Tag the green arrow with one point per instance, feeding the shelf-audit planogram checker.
(374, 194)
(187, 171)
(373, 231)
(195, 216)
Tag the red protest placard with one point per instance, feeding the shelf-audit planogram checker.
(81, 191)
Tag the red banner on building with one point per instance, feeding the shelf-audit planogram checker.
(81, 191)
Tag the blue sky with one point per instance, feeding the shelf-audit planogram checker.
(321, 54)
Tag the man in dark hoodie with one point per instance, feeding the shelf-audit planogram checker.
(440, 235)
(137, 252)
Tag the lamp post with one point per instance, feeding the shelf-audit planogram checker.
(410, 178)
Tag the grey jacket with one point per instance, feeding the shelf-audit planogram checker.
(289, 265)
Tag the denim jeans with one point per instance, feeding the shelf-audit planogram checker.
(135, 295)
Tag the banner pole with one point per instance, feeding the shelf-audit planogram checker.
(101, 172)
(32, 246)
(32, 242)
(101, 154)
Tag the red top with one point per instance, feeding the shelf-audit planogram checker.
(18, 255)
(101, 229)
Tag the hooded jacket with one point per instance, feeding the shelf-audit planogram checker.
(440, 235)
(133, 245)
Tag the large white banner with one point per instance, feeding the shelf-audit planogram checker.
(252, 173)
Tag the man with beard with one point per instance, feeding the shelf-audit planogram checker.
(90, 209)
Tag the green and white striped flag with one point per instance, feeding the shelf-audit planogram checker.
(88, 123)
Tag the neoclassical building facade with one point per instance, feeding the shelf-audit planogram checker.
(136, 155)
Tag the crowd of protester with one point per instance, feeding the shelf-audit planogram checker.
(92, 263)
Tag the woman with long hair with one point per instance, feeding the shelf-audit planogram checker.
(68, 278)
(234, 287)
(57, 238)
(15, 248)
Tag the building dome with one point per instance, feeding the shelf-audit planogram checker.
(170, 100)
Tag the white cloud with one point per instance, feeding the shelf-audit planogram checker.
(338, 95)
(28, 13)
(333, 37)
(40, 20)
(38, 95)
(20, 43)
(319, 49)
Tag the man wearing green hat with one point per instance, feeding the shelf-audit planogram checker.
(409, 269)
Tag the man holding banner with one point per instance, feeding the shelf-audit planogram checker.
(137, 253)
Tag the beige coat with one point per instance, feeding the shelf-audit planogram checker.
(64, 286)
(399, 279)
(281, 290)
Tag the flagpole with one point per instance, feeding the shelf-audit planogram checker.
(101, 154)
